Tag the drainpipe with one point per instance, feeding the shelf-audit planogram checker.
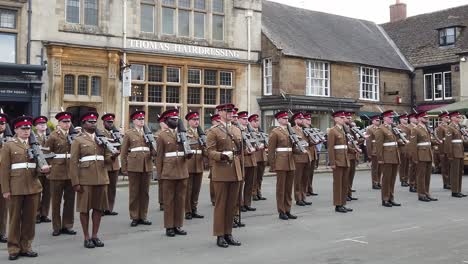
(124, 46)
(28, 45)
(248, 15)
(412, 75)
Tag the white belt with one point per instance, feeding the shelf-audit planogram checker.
(424, 144)
(373, 141)
(92, 158)
(457, 141)
(197, 152)
(174, 154)
(283, 149)
(24, 165)
(340, 147)
(62, 156)
(139, 149)
(389, 144)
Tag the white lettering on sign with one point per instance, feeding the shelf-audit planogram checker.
(154, 46)
(11, 91)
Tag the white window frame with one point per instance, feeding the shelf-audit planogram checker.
(434, 88)
(153, 29)
(432, 84)
(79, 13)
(376, 84)
(178, 69)
(267, 89)
(443, 83)
(225, 86)
(309, 78)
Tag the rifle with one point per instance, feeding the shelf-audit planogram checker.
(201, 136)
(319, 133)
(358, 132)
(149, 138)
(71, 134)
(116, 135)
(253, 136)
(102, 140)
(351, 140)
(7, 135)
(182, 138)
(246, 139)
(47, 133)
(295, 139)
(264, 137)
(464, 132)
(400, 134)
(35, 152)
(311, 135)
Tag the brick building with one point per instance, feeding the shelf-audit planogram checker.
(320, 62)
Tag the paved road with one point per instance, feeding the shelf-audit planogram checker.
(418, 232)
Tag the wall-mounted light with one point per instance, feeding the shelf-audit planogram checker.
(463, 59)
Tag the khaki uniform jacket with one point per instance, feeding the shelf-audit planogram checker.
(405, 129)
(453, 150)
(440, 132)
(370, 141)
(170, 168)
(280, 161)
(113, 164)
(91, 172)
(337, 157)
(19, 181)
(302, 157)
(218, 141)
(387, 154)
(420, 153)
(195, 164)
(58, 144)
(138, 161)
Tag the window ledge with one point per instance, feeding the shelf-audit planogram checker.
(84, 29)
(371, 100)
(82, 98)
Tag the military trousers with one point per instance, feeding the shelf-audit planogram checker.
(44, 197)
(351, 174)
(300, 178)
(112, 188)
(62, 189)
(423, 177)
(445, 169)
(412, 173)
(257, 188)
(404, 166)
(388, 181)
(3, 214)
(310, 177)
(174, 192)
(456, 173)
(376, 170)
(250, 175)
(226, 194)
(212, 189)
(22, 225)
(138, 185)
(340, 185)
(284, 188)
(193, 191)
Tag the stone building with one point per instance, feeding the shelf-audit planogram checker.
(190, 54)
(320, 62)
(436, 45)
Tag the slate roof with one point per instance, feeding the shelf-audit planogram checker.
(418, 38)
(316, 35)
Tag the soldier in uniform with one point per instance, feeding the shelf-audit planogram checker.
(339, 161)
(21, 186)
(281, 160)
(388, 157)
(250, 168)
(215, 119)
(137, 163)
(223, 147)
(376, 170)
(454, 149)
(40, 123)
(261, 157)
(440, 132)
(412, 166)
(89, 178)
(113, 165)
(302, 162)
(195, 167)
(404, 151)
(313, 155)
(3, 201)
(421, 154)
(353, 155)
(59, 178)
(163, 126)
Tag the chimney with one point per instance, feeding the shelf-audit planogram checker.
(397, 11)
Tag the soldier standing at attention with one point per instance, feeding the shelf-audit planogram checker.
(215, 120)
(89, 178)
(412, 166)
(3, 201)
(440, 132)
(281, 160)
(60, 182)
(137, 163)
(302, 162)
(421, 153)
(163, 126)
(195, 167)
(404, 151)
(454, 148)
(21, 186)
(339, 161)
(376, 169)
(224, 150)
(112, 165)
(44, 200)
(353, 155)
(313, 155)
(261, 157)
(388, 157)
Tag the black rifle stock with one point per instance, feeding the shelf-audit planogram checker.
(182, 138)
(35, 152)
(102, 140)
(201, 136)
(253, 136)
(295, 139)
(116, 135)
(71, 134)
(264, 136)
(149, 138)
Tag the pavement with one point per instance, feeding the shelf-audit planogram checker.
(417, 232)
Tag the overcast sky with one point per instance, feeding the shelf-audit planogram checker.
(373, 10)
